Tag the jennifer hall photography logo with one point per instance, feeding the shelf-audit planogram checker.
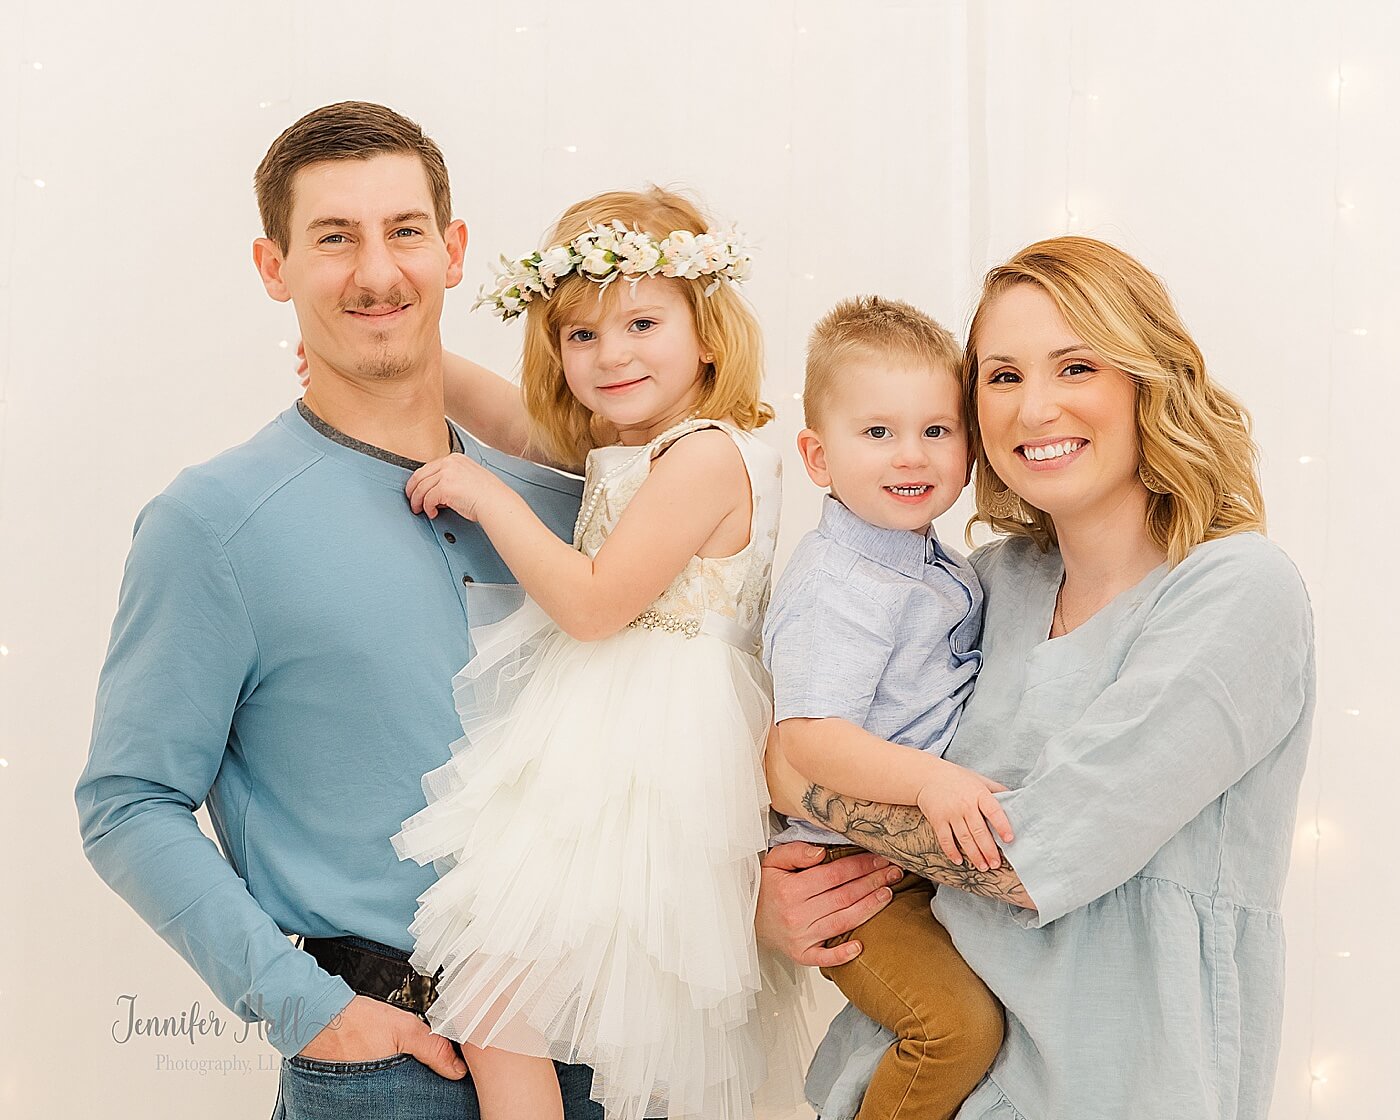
(179, 1034)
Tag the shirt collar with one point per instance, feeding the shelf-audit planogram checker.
(335, 435)
(902, 550)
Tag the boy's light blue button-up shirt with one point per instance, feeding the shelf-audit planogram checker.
(875, 626)
(1154, 756)
(283, 649)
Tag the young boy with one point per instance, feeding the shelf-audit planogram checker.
(871, 638)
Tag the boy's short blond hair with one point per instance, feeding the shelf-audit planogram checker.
(871, 326)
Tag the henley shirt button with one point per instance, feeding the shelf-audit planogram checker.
(449, 538)
(466, 580)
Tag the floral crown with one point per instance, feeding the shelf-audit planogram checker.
(606, 251)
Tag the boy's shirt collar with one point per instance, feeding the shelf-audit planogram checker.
(901, 550)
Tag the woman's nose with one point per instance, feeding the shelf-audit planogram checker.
(1039, 402)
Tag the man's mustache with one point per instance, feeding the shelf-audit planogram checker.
(366, 300)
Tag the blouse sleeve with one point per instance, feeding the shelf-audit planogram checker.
(1218, 678)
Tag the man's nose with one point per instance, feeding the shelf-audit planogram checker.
(376, 269)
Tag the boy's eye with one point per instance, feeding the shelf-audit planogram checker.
(643, 324)
(935, 431)
(878, 431)
(583, 334)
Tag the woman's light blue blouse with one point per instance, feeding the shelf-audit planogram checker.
(1154, 756)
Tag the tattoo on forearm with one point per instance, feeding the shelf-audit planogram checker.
(902, 835)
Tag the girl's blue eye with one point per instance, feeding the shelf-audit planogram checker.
(578, 335)
(879, 431)
(644, 324)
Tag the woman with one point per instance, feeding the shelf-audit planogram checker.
(1147, 694)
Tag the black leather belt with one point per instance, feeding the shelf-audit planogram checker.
(375, 970)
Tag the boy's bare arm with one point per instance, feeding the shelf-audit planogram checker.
(841, 755)
(959, 804)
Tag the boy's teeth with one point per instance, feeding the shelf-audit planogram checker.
(908, 491)
(1053, 451)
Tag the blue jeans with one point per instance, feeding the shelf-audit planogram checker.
(400, 1088)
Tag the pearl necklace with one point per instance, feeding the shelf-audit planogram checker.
(585, 513)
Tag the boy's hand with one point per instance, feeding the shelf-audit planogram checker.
(958, 803)
(454, 481)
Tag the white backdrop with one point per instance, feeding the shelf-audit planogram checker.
(1240, 150)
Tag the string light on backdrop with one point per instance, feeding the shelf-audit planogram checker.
(26, 77)
(1322, 830)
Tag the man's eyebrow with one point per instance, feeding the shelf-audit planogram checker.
(348, 223)
(332, 223)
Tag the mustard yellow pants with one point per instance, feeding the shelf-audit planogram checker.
(909, 978)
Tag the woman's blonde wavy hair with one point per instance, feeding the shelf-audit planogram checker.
(563, 428)
(1193, 435)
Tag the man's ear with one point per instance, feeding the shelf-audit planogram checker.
(267, 257)
(809, 446)
(456, 237)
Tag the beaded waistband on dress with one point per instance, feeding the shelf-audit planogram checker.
(712, 624)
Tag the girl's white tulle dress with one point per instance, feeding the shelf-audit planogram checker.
(598, 829)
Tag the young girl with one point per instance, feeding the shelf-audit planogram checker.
(597, 830)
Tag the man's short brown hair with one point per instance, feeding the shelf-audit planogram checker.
(346, 130)
(871, 326)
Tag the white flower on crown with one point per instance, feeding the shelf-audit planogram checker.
(684, 257)
(555, 264)
(597, 261)
(637, 254)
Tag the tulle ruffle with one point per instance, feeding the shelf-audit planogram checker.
(596, 834)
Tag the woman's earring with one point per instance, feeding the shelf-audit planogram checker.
(708, 359)
(1151, 479)
(1003, 504)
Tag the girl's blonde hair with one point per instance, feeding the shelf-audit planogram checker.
(562, 427)
(1194, 436)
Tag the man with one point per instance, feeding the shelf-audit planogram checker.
(285, 642)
